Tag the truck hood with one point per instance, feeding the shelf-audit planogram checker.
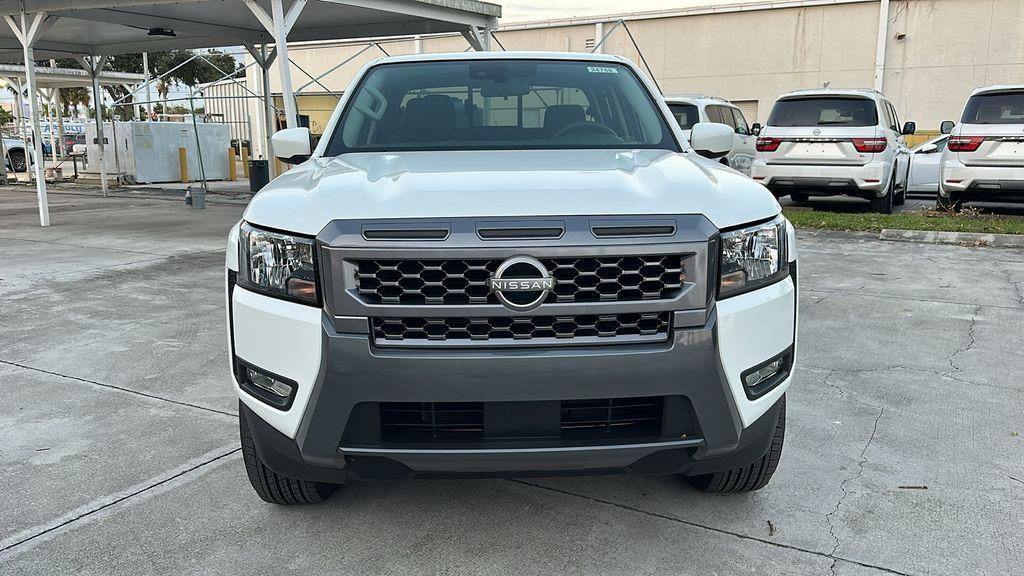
(526, 183)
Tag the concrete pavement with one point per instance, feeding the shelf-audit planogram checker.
(118, 436)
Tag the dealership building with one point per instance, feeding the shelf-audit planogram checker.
(925, 55)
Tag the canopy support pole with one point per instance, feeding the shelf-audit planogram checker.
(28, 32)
(93, 65)
(264, 59)
(279, 24)
(145, 78)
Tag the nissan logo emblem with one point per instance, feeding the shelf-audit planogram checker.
(521, 283)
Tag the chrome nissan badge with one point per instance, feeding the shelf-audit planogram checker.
(521, 283)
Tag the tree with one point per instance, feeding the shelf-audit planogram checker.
(190, 73)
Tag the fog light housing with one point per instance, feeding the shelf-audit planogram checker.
(265, 386)
(762, 378)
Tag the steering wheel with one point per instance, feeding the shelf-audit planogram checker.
(584, 127)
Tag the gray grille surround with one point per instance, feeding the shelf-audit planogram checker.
(344, 244)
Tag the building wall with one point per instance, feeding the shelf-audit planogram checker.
(947, 48)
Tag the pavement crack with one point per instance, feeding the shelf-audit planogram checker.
(973, 340)
(121, 389)
(846, 492)
(9, 545)
(713, 529)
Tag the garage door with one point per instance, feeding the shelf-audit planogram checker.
(749, 109)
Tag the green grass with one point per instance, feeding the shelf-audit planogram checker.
(931, 221)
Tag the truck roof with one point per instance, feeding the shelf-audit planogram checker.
(495, 55)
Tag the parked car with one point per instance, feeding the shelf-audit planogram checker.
(508, 263)
(922, 166)
(828, 142)
(984, 159)
(16, 159)
(689, 110)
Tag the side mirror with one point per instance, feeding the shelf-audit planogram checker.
(755, 128)
(928, 149)
(292, 146)
(711, 140)
(909, 128)
(946, 127)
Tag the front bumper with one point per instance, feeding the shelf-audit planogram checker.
(343, 379)
(863, 181)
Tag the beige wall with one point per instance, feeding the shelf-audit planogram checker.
(950, 48)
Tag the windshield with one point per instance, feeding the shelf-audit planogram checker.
(499, 105)
(686, 114)
(829, 111)
(997, 108)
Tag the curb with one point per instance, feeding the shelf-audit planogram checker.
(959, 238)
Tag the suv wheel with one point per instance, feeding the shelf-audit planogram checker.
(883, 204)
(271, 486)
(752, 476)
(18, 161)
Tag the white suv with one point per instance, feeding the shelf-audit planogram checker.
(691, 109)
(507, 264)
(827, 142)
(984, 158)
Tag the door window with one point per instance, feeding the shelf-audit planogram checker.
(741, 122)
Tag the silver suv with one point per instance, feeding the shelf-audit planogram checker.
(984, 158)
(829, 142)
(691, 109)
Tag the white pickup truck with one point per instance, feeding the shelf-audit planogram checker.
(502, 264)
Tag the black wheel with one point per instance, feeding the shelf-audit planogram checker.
(271, 486)
(951, 203)
(752, 476)
(18, 161)
(883, 204)
(796, 197)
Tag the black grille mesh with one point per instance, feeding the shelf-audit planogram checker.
(591, 279)
(520, 328)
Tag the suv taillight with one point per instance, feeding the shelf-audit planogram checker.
(869, 144)
(964, 143)
(767, 144)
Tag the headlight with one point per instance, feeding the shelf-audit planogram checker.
(753, 257)
(277, 264)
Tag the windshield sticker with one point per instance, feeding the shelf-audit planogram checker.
(602, 70)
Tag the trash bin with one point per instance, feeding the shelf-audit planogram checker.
(259, 175)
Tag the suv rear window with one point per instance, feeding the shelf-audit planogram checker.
(828, 111)
(995, 108)
(686, 114)
(501, 104)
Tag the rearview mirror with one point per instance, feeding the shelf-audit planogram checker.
(292, 146)
(946, 127)
(755, 129)
(909, 128)
(711, 139)
(928, 149)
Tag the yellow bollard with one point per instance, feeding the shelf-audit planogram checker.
(232, 168)
(245, 162)
(183, 164)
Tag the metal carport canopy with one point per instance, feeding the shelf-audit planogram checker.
(91, 30)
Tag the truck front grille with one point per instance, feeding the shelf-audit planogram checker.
(591, 419)
(589, 279)
(653, 325)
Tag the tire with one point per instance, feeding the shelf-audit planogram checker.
(901, 198)
(952, 204)
(752, 476)
(883, 204)
(271, 486)
(18, 160)
(796, 197)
